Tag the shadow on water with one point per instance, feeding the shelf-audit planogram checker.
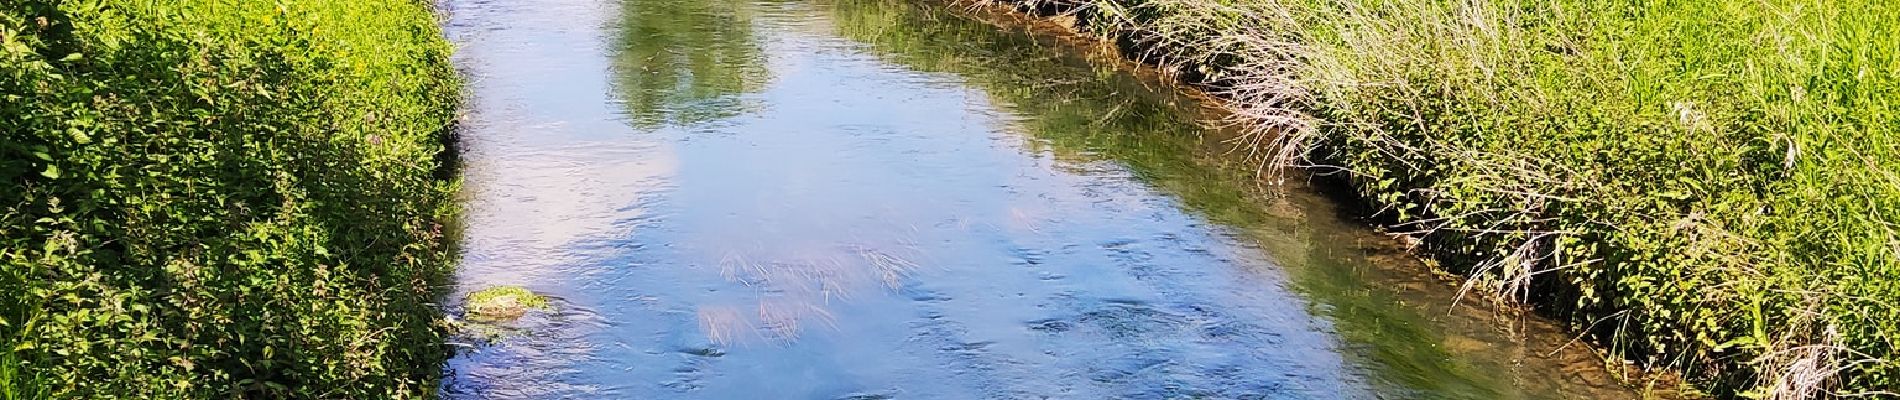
(877, 199)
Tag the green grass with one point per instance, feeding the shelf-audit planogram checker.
(221, 198)
(1703, 186)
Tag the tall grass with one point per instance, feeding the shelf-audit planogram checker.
(1701, 185)
(221, 198)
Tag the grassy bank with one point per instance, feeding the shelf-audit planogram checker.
(1701, 186)
(221, 199)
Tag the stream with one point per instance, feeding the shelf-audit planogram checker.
(890, 199)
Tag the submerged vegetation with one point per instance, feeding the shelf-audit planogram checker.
(1702, 186)
(222, 199)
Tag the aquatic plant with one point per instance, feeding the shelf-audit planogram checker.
(222, 199)
(1698, 185)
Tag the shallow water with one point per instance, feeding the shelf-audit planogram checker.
(866, 199)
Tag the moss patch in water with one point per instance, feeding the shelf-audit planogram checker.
(504, 302)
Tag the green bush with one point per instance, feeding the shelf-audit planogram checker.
(222, 198)
(1706, 186)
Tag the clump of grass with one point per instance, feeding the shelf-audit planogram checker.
(18, 381)
(1685, 180)
(503, 302)
(222, 199)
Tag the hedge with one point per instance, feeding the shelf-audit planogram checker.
(222, 198)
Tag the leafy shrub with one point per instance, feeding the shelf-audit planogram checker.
(1702, 185)
(221, 199)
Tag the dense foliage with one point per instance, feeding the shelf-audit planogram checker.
(221, 198)
(1706, 186)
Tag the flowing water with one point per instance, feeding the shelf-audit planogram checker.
(871, 199)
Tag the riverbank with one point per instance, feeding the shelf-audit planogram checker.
(1694, 186)
(210, 199)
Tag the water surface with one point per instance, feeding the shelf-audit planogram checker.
(864, 199)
